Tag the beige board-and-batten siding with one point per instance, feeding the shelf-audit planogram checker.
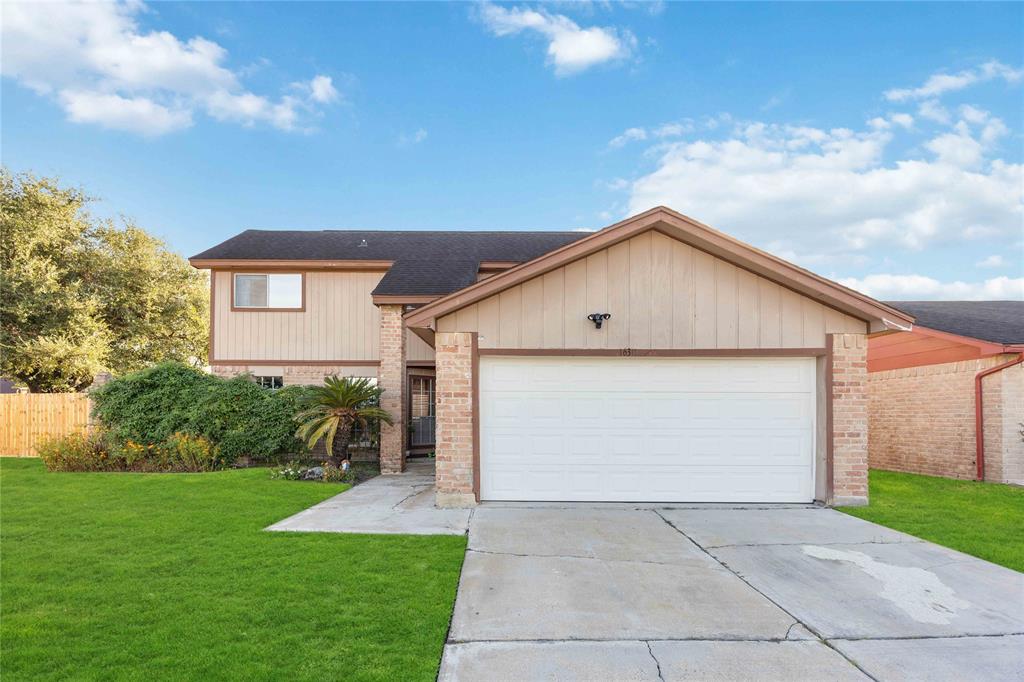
(28, 419)
(661, 293)
(339, 322)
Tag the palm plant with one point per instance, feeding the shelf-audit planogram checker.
(334, 408)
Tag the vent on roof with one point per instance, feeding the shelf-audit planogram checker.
(362, 244)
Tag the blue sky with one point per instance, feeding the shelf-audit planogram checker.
(879, 144)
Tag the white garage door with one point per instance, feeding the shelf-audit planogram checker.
(647, 429)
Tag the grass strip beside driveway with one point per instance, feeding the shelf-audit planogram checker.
(981, 519)
(143, 576)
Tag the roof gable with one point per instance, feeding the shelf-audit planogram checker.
(688, 231)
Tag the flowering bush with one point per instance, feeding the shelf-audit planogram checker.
(75, 452)
(186, 452)
(98, 451)
(293, 471)
(326, 472)
(334, 474)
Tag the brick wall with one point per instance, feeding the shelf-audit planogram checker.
(1012, 469)
(392, 379)
(849, 418)
(454, 356)
(922, 419)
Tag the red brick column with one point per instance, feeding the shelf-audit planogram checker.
(849, 435)
(455, 355)
(391, 377)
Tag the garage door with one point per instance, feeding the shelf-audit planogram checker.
(647, 429)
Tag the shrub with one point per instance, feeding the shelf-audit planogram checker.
(235, 416)
(293, 471)
(97, 452)
(75, 452)
(336, 474)
(192, 453)
(150, 405)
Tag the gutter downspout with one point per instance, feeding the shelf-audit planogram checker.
(979, 419)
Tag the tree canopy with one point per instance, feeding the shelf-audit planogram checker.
(79, 295)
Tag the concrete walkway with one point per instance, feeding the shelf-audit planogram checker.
(586, 592)
(400, 503)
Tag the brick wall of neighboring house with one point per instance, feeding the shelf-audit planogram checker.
(922, 419)
(454, 358)
(392, 379)
(1013, 424)
(849, 418)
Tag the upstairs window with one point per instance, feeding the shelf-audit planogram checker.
(268, 292)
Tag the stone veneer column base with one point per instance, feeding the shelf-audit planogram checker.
(455, 364)
(849, 357)
(391, 377)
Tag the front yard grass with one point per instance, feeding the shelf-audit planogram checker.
(170, 576)
(985, 520)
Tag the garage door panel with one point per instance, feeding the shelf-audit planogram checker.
(647, 429)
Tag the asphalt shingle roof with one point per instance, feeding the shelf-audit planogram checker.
(994, 321)
(425, 262)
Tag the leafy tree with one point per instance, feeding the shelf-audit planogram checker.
(334, 408)
(79, 295)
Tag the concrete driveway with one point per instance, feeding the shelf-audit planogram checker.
(577, 592)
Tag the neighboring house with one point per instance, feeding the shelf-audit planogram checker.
(924, 388)
(654, 360)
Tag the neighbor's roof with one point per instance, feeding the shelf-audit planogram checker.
(425, 262)
(994, 321)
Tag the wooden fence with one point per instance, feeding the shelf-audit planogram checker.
(27, 419)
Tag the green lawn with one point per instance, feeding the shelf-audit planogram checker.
(169, 576)
(985, 520)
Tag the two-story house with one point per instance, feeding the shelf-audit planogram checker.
(654, 360)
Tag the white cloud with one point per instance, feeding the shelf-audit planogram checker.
(415, 138)
(958, 148)
(994, 261)
(615, 184)
(673, 129)
(851, 199)
(933, 111)
(102, 68)
(918, 287)
(830, 193)
(322, 90)
(903, 120)
(137, 115)
(665, 130)
(941, 83)
(627, 136)
(249, 109)
(571, 49)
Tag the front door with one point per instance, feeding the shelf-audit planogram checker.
(421, 411)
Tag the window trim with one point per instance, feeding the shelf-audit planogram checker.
(252, 309)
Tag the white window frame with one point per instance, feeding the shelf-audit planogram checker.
(268, 308)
